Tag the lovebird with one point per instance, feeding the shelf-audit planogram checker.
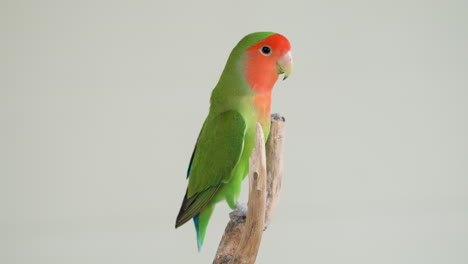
(240, 99)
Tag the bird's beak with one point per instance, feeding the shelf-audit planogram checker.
(285, 65)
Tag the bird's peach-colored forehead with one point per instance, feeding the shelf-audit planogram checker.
(276, 42)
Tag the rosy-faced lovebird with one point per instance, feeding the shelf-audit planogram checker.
(241, 98)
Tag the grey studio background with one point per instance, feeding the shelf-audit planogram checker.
(102, 101)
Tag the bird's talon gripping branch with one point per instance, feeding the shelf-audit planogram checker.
(241, 210)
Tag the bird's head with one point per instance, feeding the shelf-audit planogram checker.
(261, 57)
(272, 54)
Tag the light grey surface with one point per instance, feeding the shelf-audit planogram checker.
(101, 103)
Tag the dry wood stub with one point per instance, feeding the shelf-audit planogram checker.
(275, 165)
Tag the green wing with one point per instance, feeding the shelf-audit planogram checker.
(218, 150)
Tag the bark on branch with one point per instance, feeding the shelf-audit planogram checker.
(243, 234)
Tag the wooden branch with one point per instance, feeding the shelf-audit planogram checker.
(252, 236)
(275, 165)
(242, 236)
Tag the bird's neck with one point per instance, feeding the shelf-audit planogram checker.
(262, 85)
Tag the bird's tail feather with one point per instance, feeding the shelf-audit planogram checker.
(201, 222)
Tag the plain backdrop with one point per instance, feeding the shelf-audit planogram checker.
(101, 103)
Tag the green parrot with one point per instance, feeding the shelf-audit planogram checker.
(242, 98)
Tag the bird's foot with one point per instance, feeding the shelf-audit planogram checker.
(240, 212)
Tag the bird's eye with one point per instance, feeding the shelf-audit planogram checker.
(265, 50)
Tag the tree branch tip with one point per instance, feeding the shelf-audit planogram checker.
(277, 117)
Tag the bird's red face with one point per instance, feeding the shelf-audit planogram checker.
(266, 60)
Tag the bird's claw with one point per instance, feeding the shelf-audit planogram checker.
(241, 210)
